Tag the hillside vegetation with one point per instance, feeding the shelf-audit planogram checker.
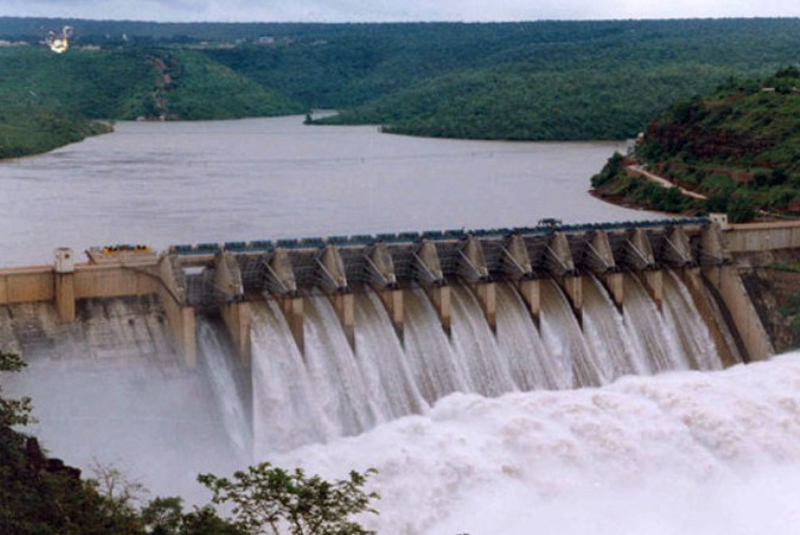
(515, 103)
(561, 81)
(48, 100)
(739, 146)
(520, 81)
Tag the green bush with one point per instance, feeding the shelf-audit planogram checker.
(610, 171)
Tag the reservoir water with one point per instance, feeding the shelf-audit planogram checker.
(168, 183)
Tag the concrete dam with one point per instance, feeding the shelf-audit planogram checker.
(307, 340)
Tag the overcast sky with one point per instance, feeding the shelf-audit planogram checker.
(396, 10)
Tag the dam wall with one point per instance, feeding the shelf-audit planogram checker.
(37, 283)
(226, 280)
(762, 237)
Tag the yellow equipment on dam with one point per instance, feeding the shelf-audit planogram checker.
(223, 279)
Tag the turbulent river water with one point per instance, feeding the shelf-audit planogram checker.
(622, 425)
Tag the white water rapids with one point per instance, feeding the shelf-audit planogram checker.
(685, 453)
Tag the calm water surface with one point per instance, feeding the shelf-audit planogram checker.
(250, 179)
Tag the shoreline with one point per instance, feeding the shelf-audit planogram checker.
(108, 128)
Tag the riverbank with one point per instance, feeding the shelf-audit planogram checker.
(43, 131)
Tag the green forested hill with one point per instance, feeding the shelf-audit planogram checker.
(201, 89)
(517, 103)
(529, 80)
(575, 80)
(739, 146)
(127, 83)
(47, 100)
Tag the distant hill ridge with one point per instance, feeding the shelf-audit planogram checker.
(582, 80)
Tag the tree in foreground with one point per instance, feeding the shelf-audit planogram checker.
(165, 516)
(13, 411)
(289, 502)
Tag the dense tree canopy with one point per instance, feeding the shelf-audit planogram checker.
(519, 81)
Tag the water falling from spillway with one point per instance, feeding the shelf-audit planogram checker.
(334, 371)
(285, 410)
(649, 329)
(334, 391)
(383, 361)
(604, 327)
(519, 342)
(566, 343)
(685, 322)
(475, 346)
(428, 350)
(220, 361)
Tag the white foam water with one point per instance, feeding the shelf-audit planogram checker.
(475, 346)
(687, 452)
(383, 361)
(520, 343)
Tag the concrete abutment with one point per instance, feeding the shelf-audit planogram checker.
(393, 301)
(440, 299)
(727, 282)
(237, 317)
(292, 308)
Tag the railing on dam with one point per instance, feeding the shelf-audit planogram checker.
(223, 277)
(543, 229)
(286, 266)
